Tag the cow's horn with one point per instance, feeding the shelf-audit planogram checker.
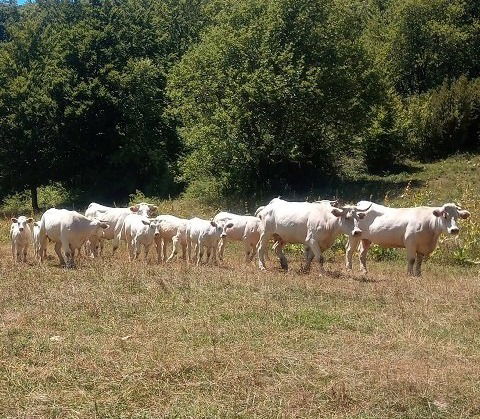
(364, 209)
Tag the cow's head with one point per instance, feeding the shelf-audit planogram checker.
(99, 227)
(226, 225)
(218, 228)
(144, 209)
(22, 222)
(448, 214)
(349, 217)
(154, 226)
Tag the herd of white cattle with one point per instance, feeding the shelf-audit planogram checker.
(316, 225)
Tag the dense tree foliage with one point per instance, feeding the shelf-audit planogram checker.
(224, 96)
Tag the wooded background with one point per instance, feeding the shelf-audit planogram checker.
(218, 98)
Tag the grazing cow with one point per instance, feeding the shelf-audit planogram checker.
(416, 229)
(114, 217)
(69, 230)
(204, 234)
(21, 237)
(245, 228)
(316, 225)
(138, 231)
(172, 230)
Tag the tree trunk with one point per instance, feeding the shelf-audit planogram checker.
(33, 191)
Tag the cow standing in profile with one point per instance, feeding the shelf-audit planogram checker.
(416, 229)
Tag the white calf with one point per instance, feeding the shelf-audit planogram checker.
(172, 230)
(245, 228)
(36, 239)
(203, 235)
(21, 237)
(139, 231)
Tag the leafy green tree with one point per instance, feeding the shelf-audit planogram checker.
(427, 41)
(273, 95)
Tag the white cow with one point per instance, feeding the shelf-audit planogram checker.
(69, 230)
(204, 234)
(114, 217)
(21, 237)
(138, 231)
(416, 229)
(172, 230)
(245, 228)
(36, 239)
(316, 225)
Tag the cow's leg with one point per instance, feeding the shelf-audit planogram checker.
(308, 258)
(58, 251)
(221, 247)
(364, 246)
(215, 254)
(253, 247)
(115, 244)
(137, 248)
(175, 246)
(189, 249)
(281, 256)
(158, 247)
(248, 250)
(209, 254)
(130, 248)
(184, 251)
(199, 249)
(25, 250)
(411, 257)
(43, 249)
(14, 252)
(67, 251)
(418, 265)
(317, 252)
(165, 249)
(146, 249)
(350, 247)
(261, 246)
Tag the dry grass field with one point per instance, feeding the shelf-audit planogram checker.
(114, 339)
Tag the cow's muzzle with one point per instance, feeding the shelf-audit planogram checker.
(454, 231)
(223, 235)
(357, 232)
(21, 228)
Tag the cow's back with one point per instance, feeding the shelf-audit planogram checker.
(287, 219)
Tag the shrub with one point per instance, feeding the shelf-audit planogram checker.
(54, 195)
(443, 121)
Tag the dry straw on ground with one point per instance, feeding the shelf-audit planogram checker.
(114, 339)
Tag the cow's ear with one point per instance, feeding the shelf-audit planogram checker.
(30, 220)
(438, 212)
(337, 212)
(147, 223)
(36, 224)
(103, 225)
(14, 220)
(134, 208)
(361, 215)
(464, 214)
(213, 223)
(229, 225)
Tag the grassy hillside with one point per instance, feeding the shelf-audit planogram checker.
(118, 339)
